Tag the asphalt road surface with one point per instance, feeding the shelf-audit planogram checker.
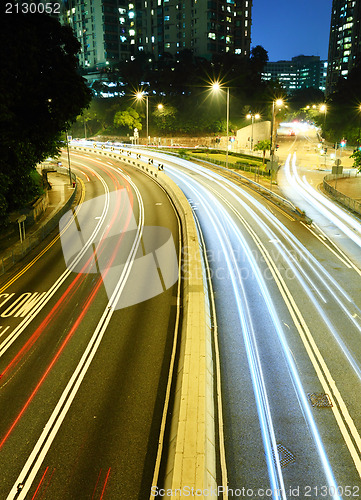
(85, 344)
(288, 307)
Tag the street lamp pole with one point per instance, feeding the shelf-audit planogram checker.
(227, 127)
(253, 117)
(271, 139)
(278, 102)
(147, 117)
(216, 86)
(140, 96)
(67, 147)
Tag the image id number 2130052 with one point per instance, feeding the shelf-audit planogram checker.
(32, 8)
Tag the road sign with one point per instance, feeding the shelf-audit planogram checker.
(272, 165)
(337, 169)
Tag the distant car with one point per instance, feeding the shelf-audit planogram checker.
(292, 132)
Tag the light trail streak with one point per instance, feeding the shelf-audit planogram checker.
(347, 417)
(340, 411)
(35, 459)
(264, 412)
(51, 317)
(293, 371)
(347, 224)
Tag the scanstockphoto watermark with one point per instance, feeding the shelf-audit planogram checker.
(216, 492)
(104, 238)
(306, 491)
(242, 264)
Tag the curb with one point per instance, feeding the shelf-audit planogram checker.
(191, 459)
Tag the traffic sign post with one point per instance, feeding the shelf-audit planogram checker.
(337, 169)
(136, 135)
(21, 222)
(272, 166)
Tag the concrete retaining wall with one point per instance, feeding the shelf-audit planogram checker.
(261, 132)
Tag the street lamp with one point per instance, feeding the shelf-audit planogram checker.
(140, 96)
(278, 103)
(323, 109)
(216, 87)
(253, 118)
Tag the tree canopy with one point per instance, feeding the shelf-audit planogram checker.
(41, 94)
(343, 109)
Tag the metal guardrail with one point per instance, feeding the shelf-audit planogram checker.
(346, 201)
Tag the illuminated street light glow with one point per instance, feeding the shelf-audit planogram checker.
(216, 87)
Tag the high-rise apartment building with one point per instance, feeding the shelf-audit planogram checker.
(113, 30)
(345, 40)
(103, 28)
(206, 27)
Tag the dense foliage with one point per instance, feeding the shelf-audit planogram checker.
(182, 84)
(343, 118)
(41, 93)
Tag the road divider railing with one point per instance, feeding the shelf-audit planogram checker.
(191, 456)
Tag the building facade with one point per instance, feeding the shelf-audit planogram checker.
(103, 29)
(206, 27)
(300, 72)
(344, 51)
(113, 30)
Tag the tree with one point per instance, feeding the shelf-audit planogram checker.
(165, 117)
(356, 155)
(41, 94)
(343, 115)
(263, 146)
(259, 58)
(128, 119)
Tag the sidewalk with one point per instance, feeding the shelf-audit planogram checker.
(61, 196)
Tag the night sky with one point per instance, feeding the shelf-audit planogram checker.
(288, 28)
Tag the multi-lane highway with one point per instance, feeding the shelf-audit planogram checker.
(289, 321)
(84, 377)
(86, 344)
